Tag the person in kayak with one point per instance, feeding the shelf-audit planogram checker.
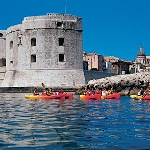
(61, 91)
(111, 91)
(35, 92)
(85, 90)
(49, 92)
(141, 92)
(98, 91)
(92, 92)
(147, 91)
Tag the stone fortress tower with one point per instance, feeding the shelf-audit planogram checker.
(2, 55)
(44, 49)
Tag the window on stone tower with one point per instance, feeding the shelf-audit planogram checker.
(1, 35)
(33, 58)
(61, 57)
(33, 42)
(19, 41)
(11, 44)
(59, 24)
(2, 62)
(61, 41)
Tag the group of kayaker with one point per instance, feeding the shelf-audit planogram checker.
(47, 91)
(143, 92)
(92, 91)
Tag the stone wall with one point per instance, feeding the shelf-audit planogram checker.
(94, 75)
(2, 55)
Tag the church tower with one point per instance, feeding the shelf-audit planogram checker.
(141, 57)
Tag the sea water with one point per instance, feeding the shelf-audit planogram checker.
(73, 124)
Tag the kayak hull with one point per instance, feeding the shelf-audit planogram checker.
(61, 96)
(99, 96)
(113, 96)
(147, 97)
(91, 97)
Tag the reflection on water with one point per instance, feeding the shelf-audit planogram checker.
(73, 124)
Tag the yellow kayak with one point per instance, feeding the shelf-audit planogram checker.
(82, 97)
(136, 96)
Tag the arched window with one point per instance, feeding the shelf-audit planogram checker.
(11, 44)
(33, 42)
(1, 35)
(33, 58)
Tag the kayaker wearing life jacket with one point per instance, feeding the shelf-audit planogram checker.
(111, 91)
(61, 91)
(141, 92)
(98, 91)
(104, 92)
(49, 92)
(147, 91)
(35, 92)
(92, 92)
(85, 90)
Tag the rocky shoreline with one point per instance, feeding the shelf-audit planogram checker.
(127, 84)
(124, 84)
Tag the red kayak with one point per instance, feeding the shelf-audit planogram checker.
(113, 96)
(91, 97)
(147, 97)
(43, 96)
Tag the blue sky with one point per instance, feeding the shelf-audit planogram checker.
(110, 27)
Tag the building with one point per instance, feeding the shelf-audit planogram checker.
(108, 65)
(93, 61)
(141, 62)
(147, 63)
(118, 66)
(44, 49)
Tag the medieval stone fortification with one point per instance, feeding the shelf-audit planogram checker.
(44, 49)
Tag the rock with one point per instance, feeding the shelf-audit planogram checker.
(133, 92)
(124, 83)
(124, 92)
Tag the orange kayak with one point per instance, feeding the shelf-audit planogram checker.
(91, 97)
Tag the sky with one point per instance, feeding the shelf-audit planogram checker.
(110, 27)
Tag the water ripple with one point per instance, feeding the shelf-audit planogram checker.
(73, 124)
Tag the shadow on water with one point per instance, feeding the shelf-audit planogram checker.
(73, 124)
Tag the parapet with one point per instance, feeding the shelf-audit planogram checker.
(53, 21)
(14, 28)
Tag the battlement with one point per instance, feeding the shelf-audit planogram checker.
(54, 17)
(53, 21)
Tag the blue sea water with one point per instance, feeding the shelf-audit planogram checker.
(73, 124)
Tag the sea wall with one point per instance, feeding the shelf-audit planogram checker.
(93, 75)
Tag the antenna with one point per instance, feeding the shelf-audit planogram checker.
(65, 6)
